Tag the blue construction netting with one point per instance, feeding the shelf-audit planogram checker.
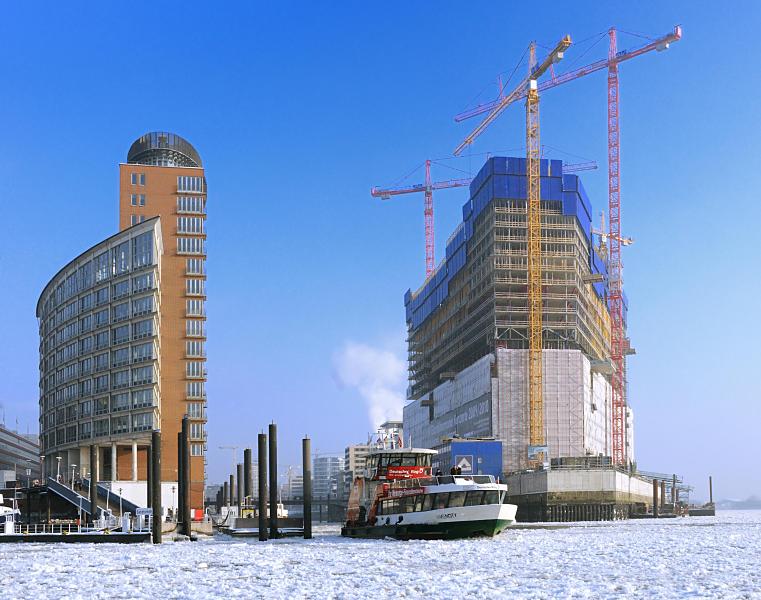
(502, 177)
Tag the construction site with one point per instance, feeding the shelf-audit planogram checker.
(520, 333)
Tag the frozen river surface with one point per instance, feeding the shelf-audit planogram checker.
(698, 557)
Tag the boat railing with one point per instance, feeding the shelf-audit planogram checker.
(58, 528)
(442, 480)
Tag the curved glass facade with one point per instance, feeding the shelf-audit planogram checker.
(99, 323)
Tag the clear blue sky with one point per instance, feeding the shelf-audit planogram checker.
(298, 108)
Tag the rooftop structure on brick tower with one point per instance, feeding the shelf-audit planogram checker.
(468, 324)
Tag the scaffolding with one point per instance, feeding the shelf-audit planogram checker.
(485, 304)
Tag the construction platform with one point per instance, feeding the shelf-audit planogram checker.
(564, 495)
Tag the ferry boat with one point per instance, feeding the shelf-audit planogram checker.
(398, 497)
(8, 518)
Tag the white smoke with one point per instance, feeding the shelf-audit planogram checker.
(378, 375)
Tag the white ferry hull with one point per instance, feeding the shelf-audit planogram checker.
(450, 523)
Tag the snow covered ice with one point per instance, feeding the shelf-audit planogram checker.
(695, 557)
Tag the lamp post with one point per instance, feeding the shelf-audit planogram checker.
(174, 509)
(42, 467)
(120, 503)
(58, 469)
(73, 469)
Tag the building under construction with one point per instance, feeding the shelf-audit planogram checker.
(468, 325)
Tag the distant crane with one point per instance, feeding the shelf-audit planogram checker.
(428, 187)
(235, 458)
(619, 343)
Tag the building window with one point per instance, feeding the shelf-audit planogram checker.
(196, 449)
(101, 427)
(142, 398)
(137, 219)
(142, 375)
(190, 204)
(195, 266)
(85, 345)
(85, 430)
(120, 259)
(190, 225)
(85, 365)
(120, 311)
(195, 410)
(187, 183)
(195, 349)
(101, 362)
(195, 389)
(101, 406)
(101, 267)
(142, 329)
(85, 324)
(142, 306)
(120, 402)
(194, 328)
(142, 283)
(101, 318)
(85, 388)
(195, 287)
(121, 334)
(191, 245)
(120, 357)
(85, 302)
(137, 199)
(142, 422)
(197, 431)
(142, 352)
(101, 382)
(195, 369)
(142, 250)
(121, 289)
(194, 308)
(138, 178)
(119, 424)
(101, 340)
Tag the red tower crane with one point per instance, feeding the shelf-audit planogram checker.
(619, 343)
(428, 187)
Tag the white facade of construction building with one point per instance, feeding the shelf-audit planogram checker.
(490, 398)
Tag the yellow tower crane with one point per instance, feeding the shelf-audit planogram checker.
(537, 449)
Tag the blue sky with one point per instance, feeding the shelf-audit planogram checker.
(299, 108)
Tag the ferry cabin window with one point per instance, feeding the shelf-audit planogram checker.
(440, 500)
(419, 503)
(474, 498)
(491, 497)
(456, 499)
(407, 504)
(427, 502)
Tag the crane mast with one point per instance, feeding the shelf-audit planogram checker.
(534, 251)
(615, 291)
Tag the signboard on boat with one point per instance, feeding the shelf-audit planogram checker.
(406, 472)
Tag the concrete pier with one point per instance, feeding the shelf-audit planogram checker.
(592, 494)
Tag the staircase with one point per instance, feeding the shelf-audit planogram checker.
(104, 492)
(69, 495)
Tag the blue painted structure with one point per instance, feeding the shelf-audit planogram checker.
(485, 456)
